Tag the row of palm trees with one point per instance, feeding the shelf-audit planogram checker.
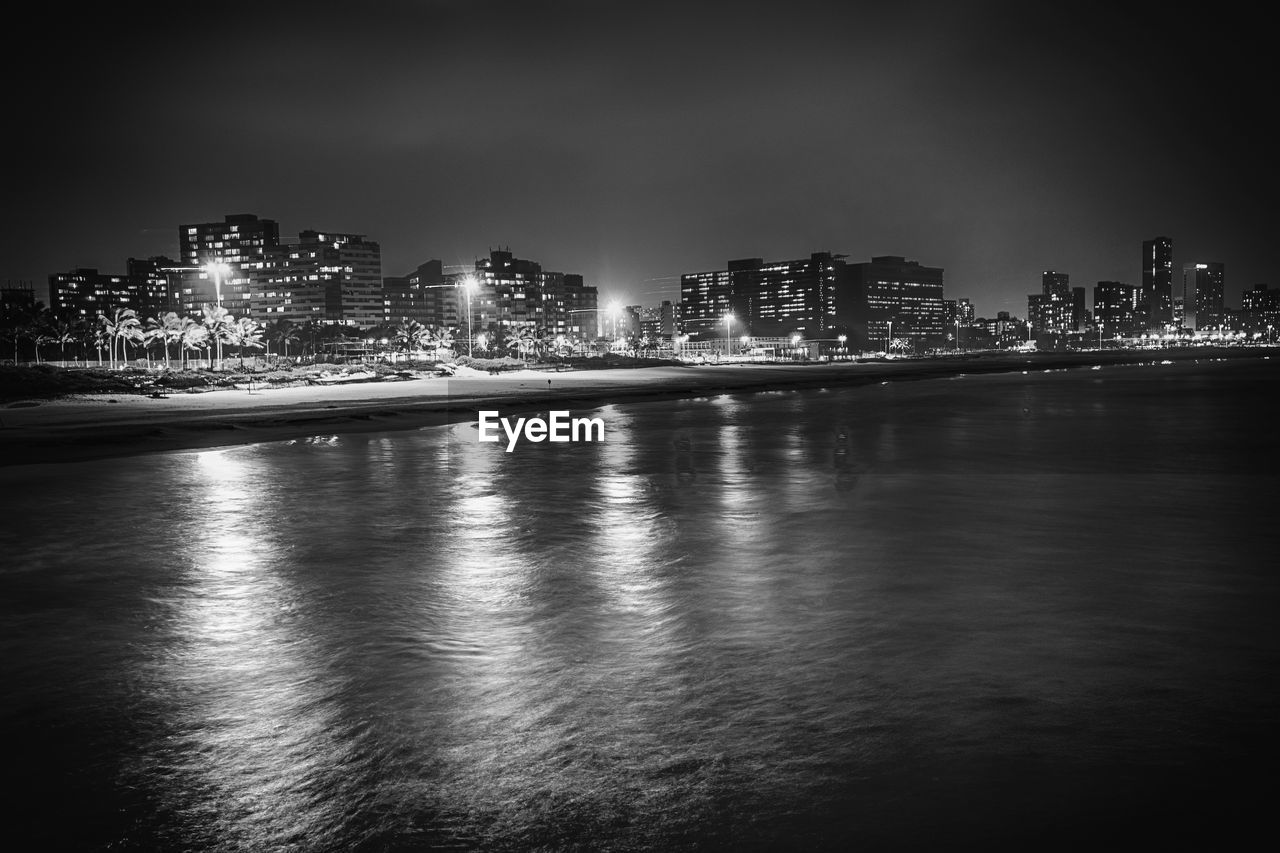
(125, 336)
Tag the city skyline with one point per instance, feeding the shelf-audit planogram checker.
(992, 141)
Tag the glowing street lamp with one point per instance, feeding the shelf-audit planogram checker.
(468, 285)
(218, 271)
(728, 324)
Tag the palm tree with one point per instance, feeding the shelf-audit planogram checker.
(124, 326)
(444, 339)
(61, 332)
(218, 322)
(38, 329)
(173, 326)
(309, 331)
(245, 332)
(280, 331)
(194, 337)
(152, 332)
(522, 339)
(410, 335)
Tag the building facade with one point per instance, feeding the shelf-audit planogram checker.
(1203, 296)
(240, 241)
(514, 296)
(324, 277)
(892, 296)
(765, 298)
(1156, 298)
(1117, 308)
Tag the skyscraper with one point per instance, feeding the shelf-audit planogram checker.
(1203, 295)
(1156, 298)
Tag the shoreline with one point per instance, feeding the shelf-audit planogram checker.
(100, 426)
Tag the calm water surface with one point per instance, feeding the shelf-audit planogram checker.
(1011, 610)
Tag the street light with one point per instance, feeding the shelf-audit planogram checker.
(217, 270)
(468, 284)
(888, 341)
(728, 324)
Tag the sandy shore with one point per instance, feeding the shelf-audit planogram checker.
(103, 425)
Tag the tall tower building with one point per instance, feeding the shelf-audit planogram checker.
(1157, 283)
(1203, 296)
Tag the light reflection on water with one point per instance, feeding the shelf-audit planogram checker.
(804, 617)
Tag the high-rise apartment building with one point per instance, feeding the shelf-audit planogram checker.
(1117, 308)
(425, 295)
(1052, 311)
(241, 242)
(324, 277)
(1203, 296)
(513, 295)
(1156, 298)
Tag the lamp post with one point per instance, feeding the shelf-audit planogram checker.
(888, 341)
(217, 270)
(957, 334)
(468, 284)
(728, 324)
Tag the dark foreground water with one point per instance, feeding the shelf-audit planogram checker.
(1007, 610)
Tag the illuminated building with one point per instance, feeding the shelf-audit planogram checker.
(1260, 308)
(425, 295)
(515, 295)
(660, 321)
(1203, 296)
(1052, 311)
(1156, 298)
(769, 298)
(891, 291)
(1117, 308)
(241, 242)
(325, 277)
(705, 298)
(87, 293)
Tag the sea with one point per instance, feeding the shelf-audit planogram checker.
(1030, 610)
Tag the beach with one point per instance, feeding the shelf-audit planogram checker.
(95, 426)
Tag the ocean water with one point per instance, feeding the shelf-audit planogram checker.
(1011, 611)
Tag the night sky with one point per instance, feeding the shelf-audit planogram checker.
(631, 142)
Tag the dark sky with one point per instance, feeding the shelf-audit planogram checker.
(631, 142)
